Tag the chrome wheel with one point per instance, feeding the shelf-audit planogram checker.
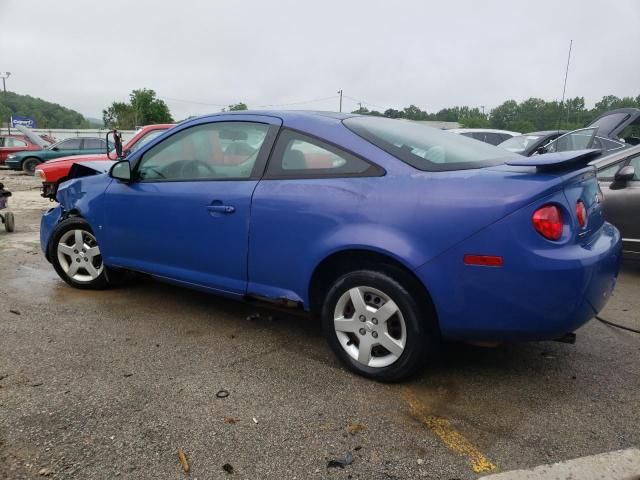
(370, 326)
(79, 256)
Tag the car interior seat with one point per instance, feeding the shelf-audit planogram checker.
(294, 160)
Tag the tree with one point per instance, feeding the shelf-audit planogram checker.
(143, 109)
(236, 107)
(503, 114)
(46, 114)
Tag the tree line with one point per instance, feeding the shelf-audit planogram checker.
(527, 116)
(46, 114)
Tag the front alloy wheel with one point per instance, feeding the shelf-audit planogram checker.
(79, 256)
(75, 254)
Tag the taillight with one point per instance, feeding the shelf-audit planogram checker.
(547, 221)
(581, 213)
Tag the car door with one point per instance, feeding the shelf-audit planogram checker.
(185, 216)
(622, 201)
(10, 145)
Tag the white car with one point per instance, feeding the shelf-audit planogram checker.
(487, 135)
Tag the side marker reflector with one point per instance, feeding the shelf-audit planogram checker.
(483, 260)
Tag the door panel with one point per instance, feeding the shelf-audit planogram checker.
(168, 229)
(186, 215)
(622, 208)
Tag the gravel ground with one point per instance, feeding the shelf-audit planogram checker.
(112, 384)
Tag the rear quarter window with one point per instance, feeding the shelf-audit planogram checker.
(426, 148)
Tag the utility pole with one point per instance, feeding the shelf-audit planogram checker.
(482, 107)
(340, 92)
(4, 77)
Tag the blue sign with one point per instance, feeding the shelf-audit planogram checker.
(25, 121)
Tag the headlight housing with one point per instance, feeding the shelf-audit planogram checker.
(11, 156)
(39, 174)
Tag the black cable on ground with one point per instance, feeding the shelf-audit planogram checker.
(617, 326)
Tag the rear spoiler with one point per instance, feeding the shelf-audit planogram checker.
(557, 161)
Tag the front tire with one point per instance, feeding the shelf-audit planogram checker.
(76, 256)
(378, 325)
(29, 165)
(9, 222)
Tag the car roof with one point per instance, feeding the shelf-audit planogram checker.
(547, 132)
(615, 156)
(483, 130)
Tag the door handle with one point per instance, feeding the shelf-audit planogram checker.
(221, 209)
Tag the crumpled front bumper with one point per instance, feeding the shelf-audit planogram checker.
(48, 223)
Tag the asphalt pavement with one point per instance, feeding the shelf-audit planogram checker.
(114, 383)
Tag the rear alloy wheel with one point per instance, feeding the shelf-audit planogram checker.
(29, 165)
(76, 256)
(377, 327)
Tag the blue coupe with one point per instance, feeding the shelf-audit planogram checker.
(394, 234)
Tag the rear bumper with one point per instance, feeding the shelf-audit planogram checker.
(537, 295)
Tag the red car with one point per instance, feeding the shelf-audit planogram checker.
(15, 143)
(54, 172)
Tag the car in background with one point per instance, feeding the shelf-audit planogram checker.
(11, 144)
(301, 210)
(611, 132)
(54, 172)
(486, 135)
(529, 143)
(29, 160)
(619, 177)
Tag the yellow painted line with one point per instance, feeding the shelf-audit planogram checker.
(448, 434)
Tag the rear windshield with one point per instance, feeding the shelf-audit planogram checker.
(426, 148)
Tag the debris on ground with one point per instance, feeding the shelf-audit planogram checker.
(354, 428)
(254, 317)
(341, 462)
(227, 467)
(15, 312)
(183, 460)
(222, 393)
(45, 472)
(127, 375)
(255, 420)
(231, 420)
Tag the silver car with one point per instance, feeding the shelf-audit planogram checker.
(619, 176)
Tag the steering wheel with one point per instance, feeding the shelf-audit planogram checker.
(189, 168)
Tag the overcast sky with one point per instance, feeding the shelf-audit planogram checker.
(84, 54)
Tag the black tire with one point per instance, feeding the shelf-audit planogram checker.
(422, 334)
(70, 224)
(9, 222)
(29, 165)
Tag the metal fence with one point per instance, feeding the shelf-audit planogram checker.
(62, 133)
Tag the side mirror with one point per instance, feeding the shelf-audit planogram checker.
(55, 149)
(625, 174)
(121, 171)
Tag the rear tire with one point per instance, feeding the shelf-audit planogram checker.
(75, 255)
(378, 326)
(29, 165)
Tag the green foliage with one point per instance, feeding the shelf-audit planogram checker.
(46, 114)
(143, 109)
(236, 107)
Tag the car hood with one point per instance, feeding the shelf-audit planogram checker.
(79, 158)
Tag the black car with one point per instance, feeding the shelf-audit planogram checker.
(611, 132)
(529, 143)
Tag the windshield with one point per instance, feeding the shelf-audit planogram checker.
(426, 148)
(519, 144)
